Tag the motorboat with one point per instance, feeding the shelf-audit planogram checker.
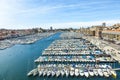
(67, 73)
(109, 72)
(76, 72)
(105, 73)
(48, 73)
(57, 73)
(95, 72)
(31, 73)
(40, 73)
(44, 73)
(62, 72)
(100, 72)
(113, 73)
(53, 73)
(81, 72)
(86, 73)
(72, 71)
(35, 72)
(91, 73)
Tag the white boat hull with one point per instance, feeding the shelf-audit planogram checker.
(86, 74)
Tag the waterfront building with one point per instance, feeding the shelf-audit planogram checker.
(104, 24)
(51, 28)
(110, 35)
(11, 33)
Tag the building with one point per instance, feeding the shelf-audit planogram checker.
(93, 31)
(98, 31)
(104, 24)
(51, 28)
(111, 35)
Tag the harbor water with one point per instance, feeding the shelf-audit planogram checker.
(17, 61)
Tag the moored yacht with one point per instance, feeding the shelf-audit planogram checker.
(81, 72)
(105, 73)
(30, 73)
(76, 72)
(53, 73)
(95, 72)
(44, 73)
(62, 72)
(91, 73)
(48, 73)
(113, 73)
(67, 73)
(35, 72)
(72, 71)
(57, 73)
(100, 72)
(86, 73)
(109, 72)
(40, 72)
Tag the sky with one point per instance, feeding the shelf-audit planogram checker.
(24, 14)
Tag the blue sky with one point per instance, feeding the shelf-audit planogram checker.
(58, 13)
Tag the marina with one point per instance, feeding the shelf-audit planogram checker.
(28, 39)
(21, 58)
(59, 39)
(71, 56)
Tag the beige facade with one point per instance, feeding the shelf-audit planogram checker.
(111, 35)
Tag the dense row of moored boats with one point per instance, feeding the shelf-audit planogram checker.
(73, 70)
(73, 59)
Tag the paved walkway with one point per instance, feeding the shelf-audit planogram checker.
(109, 48)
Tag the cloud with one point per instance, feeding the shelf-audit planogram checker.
(48, 8)
(82, 24)
(76, 25)
(7, 10)
(21, 13)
